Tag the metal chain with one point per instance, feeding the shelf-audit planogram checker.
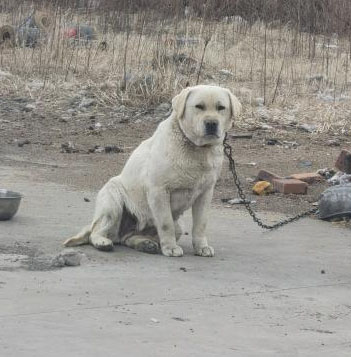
(228, 151)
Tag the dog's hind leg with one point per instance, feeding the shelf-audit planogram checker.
(102, 228)
(81, 238)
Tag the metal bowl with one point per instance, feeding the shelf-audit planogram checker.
(9, 203)
(335, 202)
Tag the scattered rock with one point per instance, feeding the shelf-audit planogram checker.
(22, 142)
(35, 84)
(154, 320)
(68, 257)
(310, 128)
(273, 142)
(68, 148)
(87, 102)
(226, 73)
(258, 102)
(183, 269)
(163, 108)
(86, 199)
(262, 188)
(29, 107)
(290, 144)
(333, 142)
(305, 163)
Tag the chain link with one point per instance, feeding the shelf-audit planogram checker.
(228, 151)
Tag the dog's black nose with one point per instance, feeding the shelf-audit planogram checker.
(211, 127)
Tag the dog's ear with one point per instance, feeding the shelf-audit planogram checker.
(179, 102)
(235, 104)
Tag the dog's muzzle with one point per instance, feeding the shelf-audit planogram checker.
(211, 128)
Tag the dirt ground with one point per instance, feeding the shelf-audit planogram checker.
(32, 136)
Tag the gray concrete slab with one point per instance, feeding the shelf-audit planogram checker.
(263, 294)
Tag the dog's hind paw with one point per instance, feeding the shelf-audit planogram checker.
(172, 251)
(103, 244)
(148, 246)
(205, 251)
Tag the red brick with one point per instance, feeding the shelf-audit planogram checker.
(343, 163)
(264, 175)
(308, 177)
(287, 186)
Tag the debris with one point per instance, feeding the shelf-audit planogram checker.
(333, 142)
(241, 136)
(265, 127)
(273, 142)
(250, 164)
(86, 199)
(262, 188)
(340, 178)
(180, 319)
(68, 148)
(238, 201)
(290, 144)
(288, 186)
(326, 173)
(29, 107)
(68, 257)
(264, 175)
(154, 320)
(163, 107)
(226, 73)
(87, 102)
(110, 149)
(23, 142)
(258, 102)
(305, 163)
(322, 271)
(308, 177)
(343, 162)
(310, 128)
(183, 269)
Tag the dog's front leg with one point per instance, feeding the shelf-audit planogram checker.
(199, 211)
(160, 204)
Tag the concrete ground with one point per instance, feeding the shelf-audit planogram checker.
(281, 293)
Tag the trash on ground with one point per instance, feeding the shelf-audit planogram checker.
(262, 188)
(340, 178)
(326, 173)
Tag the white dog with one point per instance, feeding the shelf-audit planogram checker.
(175, 169)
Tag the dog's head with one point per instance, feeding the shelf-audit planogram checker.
(205, 113)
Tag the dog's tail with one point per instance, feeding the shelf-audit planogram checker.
(81, 238)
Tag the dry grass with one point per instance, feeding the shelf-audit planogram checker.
(301, 77)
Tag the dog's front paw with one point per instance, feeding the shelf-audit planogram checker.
(172, 251)
(206, 251)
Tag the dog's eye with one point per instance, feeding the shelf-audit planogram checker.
(220, 107)
(200, 106)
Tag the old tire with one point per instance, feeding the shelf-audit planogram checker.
(7, 35)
